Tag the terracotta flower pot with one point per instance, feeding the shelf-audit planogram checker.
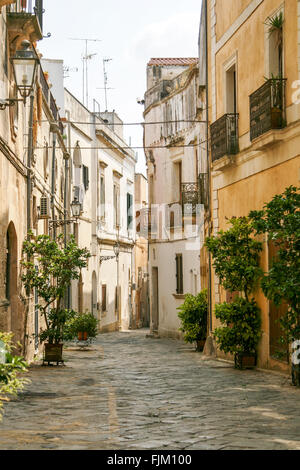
(82, 336)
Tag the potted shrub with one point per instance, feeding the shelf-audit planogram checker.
(236, 261)
(84, 326)
(49, 267)
(280, 219)
(193, 316)
(241, 333)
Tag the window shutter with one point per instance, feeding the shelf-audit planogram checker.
(86, 177)
(104, 308)
(129, 210)
(179, 274)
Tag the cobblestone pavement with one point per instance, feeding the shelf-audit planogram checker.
(132, 392)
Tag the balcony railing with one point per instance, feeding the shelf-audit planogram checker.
(50, 100)
(224, 136)
(190, 198)
(158, 92)
(267, 107)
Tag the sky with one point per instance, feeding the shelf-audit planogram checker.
(130, 33)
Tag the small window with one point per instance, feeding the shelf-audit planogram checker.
(179, 274)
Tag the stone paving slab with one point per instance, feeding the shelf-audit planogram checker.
(130, 392)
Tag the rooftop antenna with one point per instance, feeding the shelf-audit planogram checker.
(68, 69)
(86, 57)
(105, 82)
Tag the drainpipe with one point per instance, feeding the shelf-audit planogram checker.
(53, 182)
(29, 190)
(67, 198)
(208, 171)
(29, 160)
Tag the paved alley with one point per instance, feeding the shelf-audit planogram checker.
(130, 392)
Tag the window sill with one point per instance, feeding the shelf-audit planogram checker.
(179, 296)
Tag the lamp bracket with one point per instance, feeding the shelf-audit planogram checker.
(9, 102)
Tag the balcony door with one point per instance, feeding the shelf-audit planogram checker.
(231, 90)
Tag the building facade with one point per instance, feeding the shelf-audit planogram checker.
(32, 175)
(102, 169)
(252, 78)
(173, 135)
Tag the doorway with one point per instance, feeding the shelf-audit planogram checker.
(155, 301)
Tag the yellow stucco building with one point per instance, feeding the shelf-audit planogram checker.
(253, 112)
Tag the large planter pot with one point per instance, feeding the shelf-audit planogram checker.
(276, 118)
(296, 375)
(200, 345)
(245, 360)
(53, 353)
(82, 336)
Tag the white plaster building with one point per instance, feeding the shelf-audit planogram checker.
(102, 179)
(174, 154)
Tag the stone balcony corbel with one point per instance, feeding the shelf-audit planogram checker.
(22, 26)
(6, 2)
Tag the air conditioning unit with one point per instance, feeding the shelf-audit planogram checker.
(44, 208)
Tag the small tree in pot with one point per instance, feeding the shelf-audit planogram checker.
(49, 267)
(84, 326)
(280, 219)
(193, 316)
(236, 262)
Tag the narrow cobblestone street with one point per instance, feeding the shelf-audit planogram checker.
(130, 392)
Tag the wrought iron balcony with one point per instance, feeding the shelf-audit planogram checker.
(190, 198)
(24, 22)
(224, 136)
(50, 99)
(267, 107)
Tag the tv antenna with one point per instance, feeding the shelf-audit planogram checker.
(68, 69)
(105, 82)
(85, 59)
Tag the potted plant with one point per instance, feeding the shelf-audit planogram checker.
(193, 316)
(84, 326)
(241, 333)
(236, 261)
(49, 267)
(280, 219)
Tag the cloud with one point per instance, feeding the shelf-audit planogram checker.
(175, 37)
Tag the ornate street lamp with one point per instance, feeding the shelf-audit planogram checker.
(76, 208)
(117, 249)
(24, 65)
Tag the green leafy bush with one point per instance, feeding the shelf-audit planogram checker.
(280, 219)
(193, 316)
(236, 261)
(243, 326)
(10, 380)
(82, 322)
